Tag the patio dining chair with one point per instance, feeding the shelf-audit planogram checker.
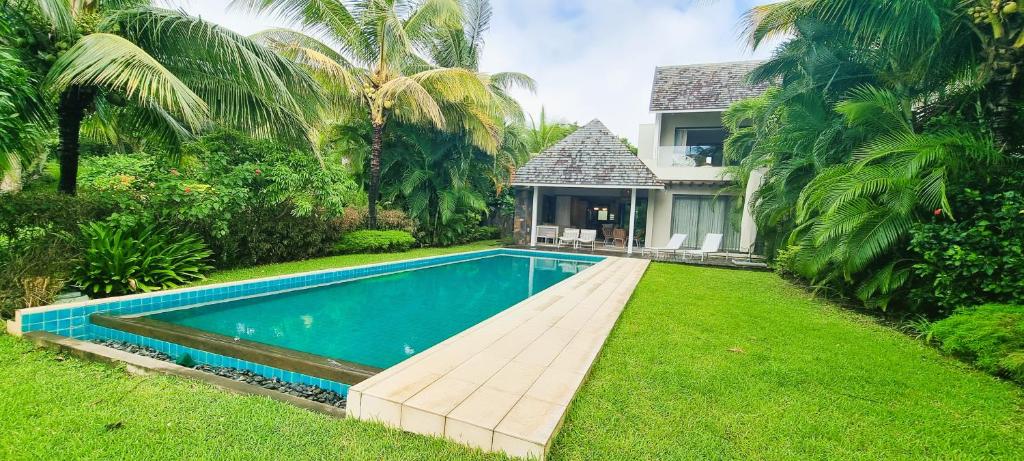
(619, 235)
(569, 237)
(606, 232)
(587, 237)
(712, 243)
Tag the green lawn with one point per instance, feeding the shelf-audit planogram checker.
(705, 363)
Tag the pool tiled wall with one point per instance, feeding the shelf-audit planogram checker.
(209, 358)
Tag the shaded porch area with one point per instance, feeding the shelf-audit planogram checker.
(616, 216)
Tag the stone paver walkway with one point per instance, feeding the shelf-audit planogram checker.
(505, 384)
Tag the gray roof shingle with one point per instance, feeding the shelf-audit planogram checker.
(703, 86)
(591, 156)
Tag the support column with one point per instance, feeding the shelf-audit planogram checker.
(632, 220)
(748, 227)
(533, 220)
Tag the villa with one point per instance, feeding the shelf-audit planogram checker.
(676, 184)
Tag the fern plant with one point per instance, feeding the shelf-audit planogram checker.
(138, 259)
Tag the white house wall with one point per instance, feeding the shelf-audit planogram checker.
(659, 211)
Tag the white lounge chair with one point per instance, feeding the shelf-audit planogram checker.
(673, 245)
(569, 237)
(712, 243)
(587, 237)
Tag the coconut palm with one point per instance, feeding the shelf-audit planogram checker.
(378, 69)
(159, 71)
(461, 46)
(543, 134)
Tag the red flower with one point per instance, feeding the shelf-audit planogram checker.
(938, 212)
(188, 190)
(258, 172)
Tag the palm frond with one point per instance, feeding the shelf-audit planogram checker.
(112, 62)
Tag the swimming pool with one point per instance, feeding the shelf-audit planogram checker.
(380, 321)
(328, 328)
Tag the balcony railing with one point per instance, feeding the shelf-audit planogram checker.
(689, 156)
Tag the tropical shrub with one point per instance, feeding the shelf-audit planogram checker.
(876, 111)
(121, 260)
(252, 201)
(371, 241)
(976, 259)
(270, 234)
(57, 212)
(990, 336)
(486, 233)
(355, 218)
(35, 263)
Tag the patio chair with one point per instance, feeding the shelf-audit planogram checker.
(673, 245)
(606, 232)
(712, 243)
(569, 237)
(619, 235)
(587, 237)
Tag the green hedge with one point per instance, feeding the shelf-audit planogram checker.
(976, 259)
(370, 241)
(989, 336)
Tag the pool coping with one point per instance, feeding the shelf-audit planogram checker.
(286, 359)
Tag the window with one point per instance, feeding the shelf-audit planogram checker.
(695, 146)
(699, 215)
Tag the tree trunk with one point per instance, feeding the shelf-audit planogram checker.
(70, 112)
(374, 192)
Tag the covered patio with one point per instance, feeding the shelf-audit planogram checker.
(588, 181)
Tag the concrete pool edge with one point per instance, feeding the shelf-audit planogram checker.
(505, 384)
(282, 358)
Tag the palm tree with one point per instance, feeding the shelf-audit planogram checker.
(159, 71)
(544, 134)
(378, 70)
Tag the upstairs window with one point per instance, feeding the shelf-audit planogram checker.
(698, 146)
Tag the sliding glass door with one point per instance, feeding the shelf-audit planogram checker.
(699, 215)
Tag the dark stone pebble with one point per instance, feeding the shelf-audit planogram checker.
(313, 393)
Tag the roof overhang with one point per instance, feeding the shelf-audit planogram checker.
(690, 111)
(700, 182)
(590, 186)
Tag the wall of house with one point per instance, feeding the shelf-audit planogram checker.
(659, 213)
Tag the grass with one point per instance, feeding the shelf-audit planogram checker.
(708, 363)
(704, 363)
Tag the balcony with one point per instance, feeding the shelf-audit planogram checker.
(689, 156)
(689, 163)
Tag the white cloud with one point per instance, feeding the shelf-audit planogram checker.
(591, 59)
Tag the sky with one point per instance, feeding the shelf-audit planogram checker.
(590, 58)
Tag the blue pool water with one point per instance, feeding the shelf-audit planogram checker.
(380, 321)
